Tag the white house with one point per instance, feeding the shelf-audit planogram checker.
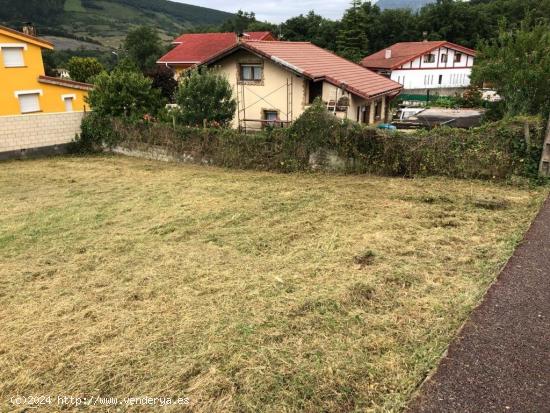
(425, 68)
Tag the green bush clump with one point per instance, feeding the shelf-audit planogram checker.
(97, 132)
(498, 150)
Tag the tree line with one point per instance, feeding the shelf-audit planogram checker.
(365, 29)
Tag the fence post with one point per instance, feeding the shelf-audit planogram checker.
(544, 167)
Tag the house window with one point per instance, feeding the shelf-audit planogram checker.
(68, 102)
(440, 79)
(270, 117)
(29, 102)
(458, 57)
(429, 58)
(251, 73)
(13, 56)
(315, 91)
(444, 58)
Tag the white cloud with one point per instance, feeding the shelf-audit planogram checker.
(277, 11)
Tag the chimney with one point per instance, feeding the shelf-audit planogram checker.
(240, 36)
(29, 29)
(425, 36)
(388, 53)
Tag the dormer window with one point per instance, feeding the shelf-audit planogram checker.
(429, 58)
(12, 55)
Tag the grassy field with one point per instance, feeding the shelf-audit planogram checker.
(244, 291)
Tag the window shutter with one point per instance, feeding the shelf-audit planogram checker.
(29, 103)
(68, 104)
(13, 56)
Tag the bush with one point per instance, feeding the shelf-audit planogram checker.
(163, 79)
(83, 69)
(498, 150)
(124, 93)
(494, 151)
(205, 96)
(97, 132)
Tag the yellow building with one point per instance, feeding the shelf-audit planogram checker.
(24, 88)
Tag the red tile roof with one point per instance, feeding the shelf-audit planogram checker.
(319, 64)
(405, 52)
(196, 47)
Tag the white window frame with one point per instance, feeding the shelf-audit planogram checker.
(38, 92)
(22, 46)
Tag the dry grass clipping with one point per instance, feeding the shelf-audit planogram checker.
(243, 291)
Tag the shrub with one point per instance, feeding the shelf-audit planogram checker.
(205, 96)
(163, 79)
(96, 133)
(124, 93)
(83, 69)
(497, 150)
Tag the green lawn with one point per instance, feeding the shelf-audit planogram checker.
(244, 291)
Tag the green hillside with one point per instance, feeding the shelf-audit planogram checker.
(106, 21)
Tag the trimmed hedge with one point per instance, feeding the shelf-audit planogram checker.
(497, 150)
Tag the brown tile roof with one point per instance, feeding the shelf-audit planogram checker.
(65, 82)
(319, 64)
(405, 52)
(195, 48)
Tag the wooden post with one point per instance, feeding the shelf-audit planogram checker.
(544, 167)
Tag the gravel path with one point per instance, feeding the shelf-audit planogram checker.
(500, 361)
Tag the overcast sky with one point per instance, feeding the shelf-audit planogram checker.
(277, 11)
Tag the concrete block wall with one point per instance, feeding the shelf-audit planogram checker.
(38, 130)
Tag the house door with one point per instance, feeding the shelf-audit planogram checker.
(366, 114)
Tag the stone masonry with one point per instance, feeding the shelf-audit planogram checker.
(38, 130)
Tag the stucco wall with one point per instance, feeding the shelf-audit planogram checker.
(270, 94)
(19, 79)
(38, 130)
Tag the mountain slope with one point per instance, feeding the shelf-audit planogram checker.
(107, 21)
(414, 5)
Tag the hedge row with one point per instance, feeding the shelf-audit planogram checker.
(497, 150)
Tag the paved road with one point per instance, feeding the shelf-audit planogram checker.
(500, 361)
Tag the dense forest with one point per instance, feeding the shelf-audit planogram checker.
(365, 28)
(31, 10)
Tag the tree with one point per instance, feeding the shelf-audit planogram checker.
(239, 23)
(163, 79)
(517, 64)
(311, 27)
(143, 46)
(205, 95)
(83, 69)
(352, 40)
(124, 93)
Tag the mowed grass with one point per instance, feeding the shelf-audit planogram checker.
(244, 291)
